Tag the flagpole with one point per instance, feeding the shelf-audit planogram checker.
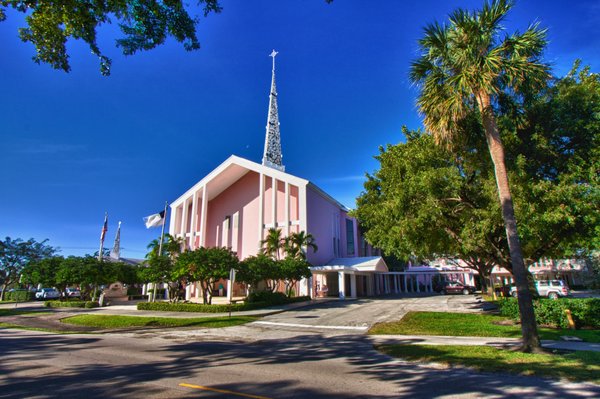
(160, 245)
(162, 232)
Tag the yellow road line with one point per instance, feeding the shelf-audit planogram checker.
(245, 395)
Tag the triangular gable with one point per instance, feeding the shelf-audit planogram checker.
(234, 168)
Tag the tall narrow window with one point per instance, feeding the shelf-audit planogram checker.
(349, 237)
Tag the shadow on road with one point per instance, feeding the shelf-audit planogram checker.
(162, 365)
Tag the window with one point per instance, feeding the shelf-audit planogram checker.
(349, 237)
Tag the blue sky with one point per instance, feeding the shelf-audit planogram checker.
(76, 145)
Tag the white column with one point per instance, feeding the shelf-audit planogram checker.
(261, 207)
(286, 218)
(274, 201)
(229, 290)
(194, 220)
(302, 207)
(342, 285)
(235, 225)
(172, 220)
(184, 211)
(353, 286)
(203, 224)
(188, 292)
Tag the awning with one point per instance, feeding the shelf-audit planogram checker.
(360, 264)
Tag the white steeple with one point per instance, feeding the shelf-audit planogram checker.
(272, 155)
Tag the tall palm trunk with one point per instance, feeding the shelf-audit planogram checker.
(531, 341)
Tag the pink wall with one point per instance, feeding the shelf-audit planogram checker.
(320, 219)
(242, 197)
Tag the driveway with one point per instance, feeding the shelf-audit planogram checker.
(361, 314)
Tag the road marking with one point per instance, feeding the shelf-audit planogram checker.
(272, 323)
(245, 395)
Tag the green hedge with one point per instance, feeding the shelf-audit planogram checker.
(201, 308)
(585, 311)
(71, 304)
(20, 296)
(197, 307)
(274, 298)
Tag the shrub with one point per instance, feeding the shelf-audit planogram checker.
(197, 307)
(273, 298)
(134, 291)
(71, 304)
(585, 312)
(200, 308)
(19, 296)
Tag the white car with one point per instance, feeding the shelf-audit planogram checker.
(47, 293)
(552, 289)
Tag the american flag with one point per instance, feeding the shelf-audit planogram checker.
(104, 228)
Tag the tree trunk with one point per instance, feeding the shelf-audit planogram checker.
(3, 291)
(531, 341)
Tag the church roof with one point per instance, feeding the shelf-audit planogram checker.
(234, 168)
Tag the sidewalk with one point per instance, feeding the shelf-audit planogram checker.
(491, 341)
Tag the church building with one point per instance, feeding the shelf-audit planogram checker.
(237, 203)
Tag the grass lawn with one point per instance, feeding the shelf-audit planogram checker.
(17, 312)
(28, 328)
(469, 325)
(576, 366)
(108, 321)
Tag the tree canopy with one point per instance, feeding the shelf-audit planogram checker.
(206, 266)
(15, 254)
(144, 25)
(427, 201)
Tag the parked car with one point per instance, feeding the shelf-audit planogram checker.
(552, 289)
(47, 293)
(454, 287)
(71, 292)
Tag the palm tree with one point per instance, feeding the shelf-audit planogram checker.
(273, 243)
(463, 67)
(296, 244)
(170, 249)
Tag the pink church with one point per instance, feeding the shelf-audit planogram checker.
(238, 202)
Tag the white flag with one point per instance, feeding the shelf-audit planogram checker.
(155, 220)
(115, 253)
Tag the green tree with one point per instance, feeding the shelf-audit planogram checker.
(273, 244)
(292, 271)
(257, 269)
(158, 269)
(205, 266)
(464, 66)
(144, 25)
(43, 272)
(15, 254)
(441, 205)
(296, 244)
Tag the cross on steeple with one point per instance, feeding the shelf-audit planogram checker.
(272, 156)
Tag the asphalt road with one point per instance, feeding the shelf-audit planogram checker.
(252, 361)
